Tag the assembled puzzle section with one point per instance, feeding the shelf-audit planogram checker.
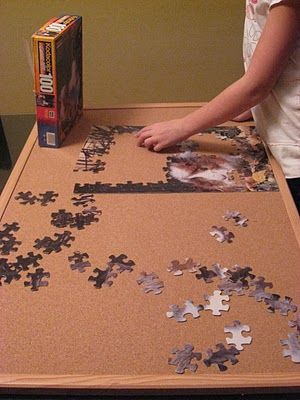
(57, 52)
(237, 162)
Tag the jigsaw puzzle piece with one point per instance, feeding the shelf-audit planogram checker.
(293, 342)
(216, 304)
(221, 234)
(183, 359)
(222, 355)
(179, 312)
(177, 268)
(150, 282)
(237, 338)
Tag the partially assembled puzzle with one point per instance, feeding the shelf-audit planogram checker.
(187, 170)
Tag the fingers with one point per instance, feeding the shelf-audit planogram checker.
(142, 139)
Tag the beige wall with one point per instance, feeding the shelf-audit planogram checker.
(135, 51)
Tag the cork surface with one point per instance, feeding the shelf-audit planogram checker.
(70, 327)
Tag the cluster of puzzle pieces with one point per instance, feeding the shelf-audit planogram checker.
(63, 218)
(237, 280)
(183, 358)
(222, 234)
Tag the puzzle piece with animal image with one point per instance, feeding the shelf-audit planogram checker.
(178, 313)
(216, 304)
(221, 356)
(293, 343)
(237, 338)
(183, 359)
(150, 282)
(177, 268)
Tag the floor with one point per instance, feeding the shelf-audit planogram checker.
(16, 129)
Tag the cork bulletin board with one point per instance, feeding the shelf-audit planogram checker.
(62, 331)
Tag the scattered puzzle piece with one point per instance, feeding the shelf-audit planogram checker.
(228, 287)
(8, 272)
(237, 217)
(83, 199)
(221, 272)
(150, 282)
(26, 198)
(103, 277)
(241, 274)
(216, 302)
(62, 218)
(222, 355)
(179, 313)
(79, 261)
(293, 342)
(221, 234)
(47, 197)
(206, 274)
(237, 338)
(121, 262)
(36, 279)
(9, 244)
(295, 323)
(177, 268)
(259, 291)
(183, 359)
(284, 306)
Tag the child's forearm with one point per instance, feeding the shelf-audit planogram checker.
(237, 98)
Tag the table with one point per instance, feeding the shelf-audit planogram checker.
(70, 335)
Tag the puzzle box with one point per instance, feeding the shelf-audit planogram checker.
(57, 52)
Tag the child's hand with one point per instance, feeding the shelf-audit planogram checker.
(161, 135)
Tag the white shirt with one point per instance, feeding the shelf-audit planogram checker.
(278, 117)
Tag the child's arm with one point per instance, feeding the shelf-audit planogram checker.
(276, 44)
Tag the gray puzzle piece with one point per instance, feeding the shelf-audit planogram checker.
(293, 342)
(150, 282)
(183, 359)
(259, 291)
(179, 312)
(237, 338)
